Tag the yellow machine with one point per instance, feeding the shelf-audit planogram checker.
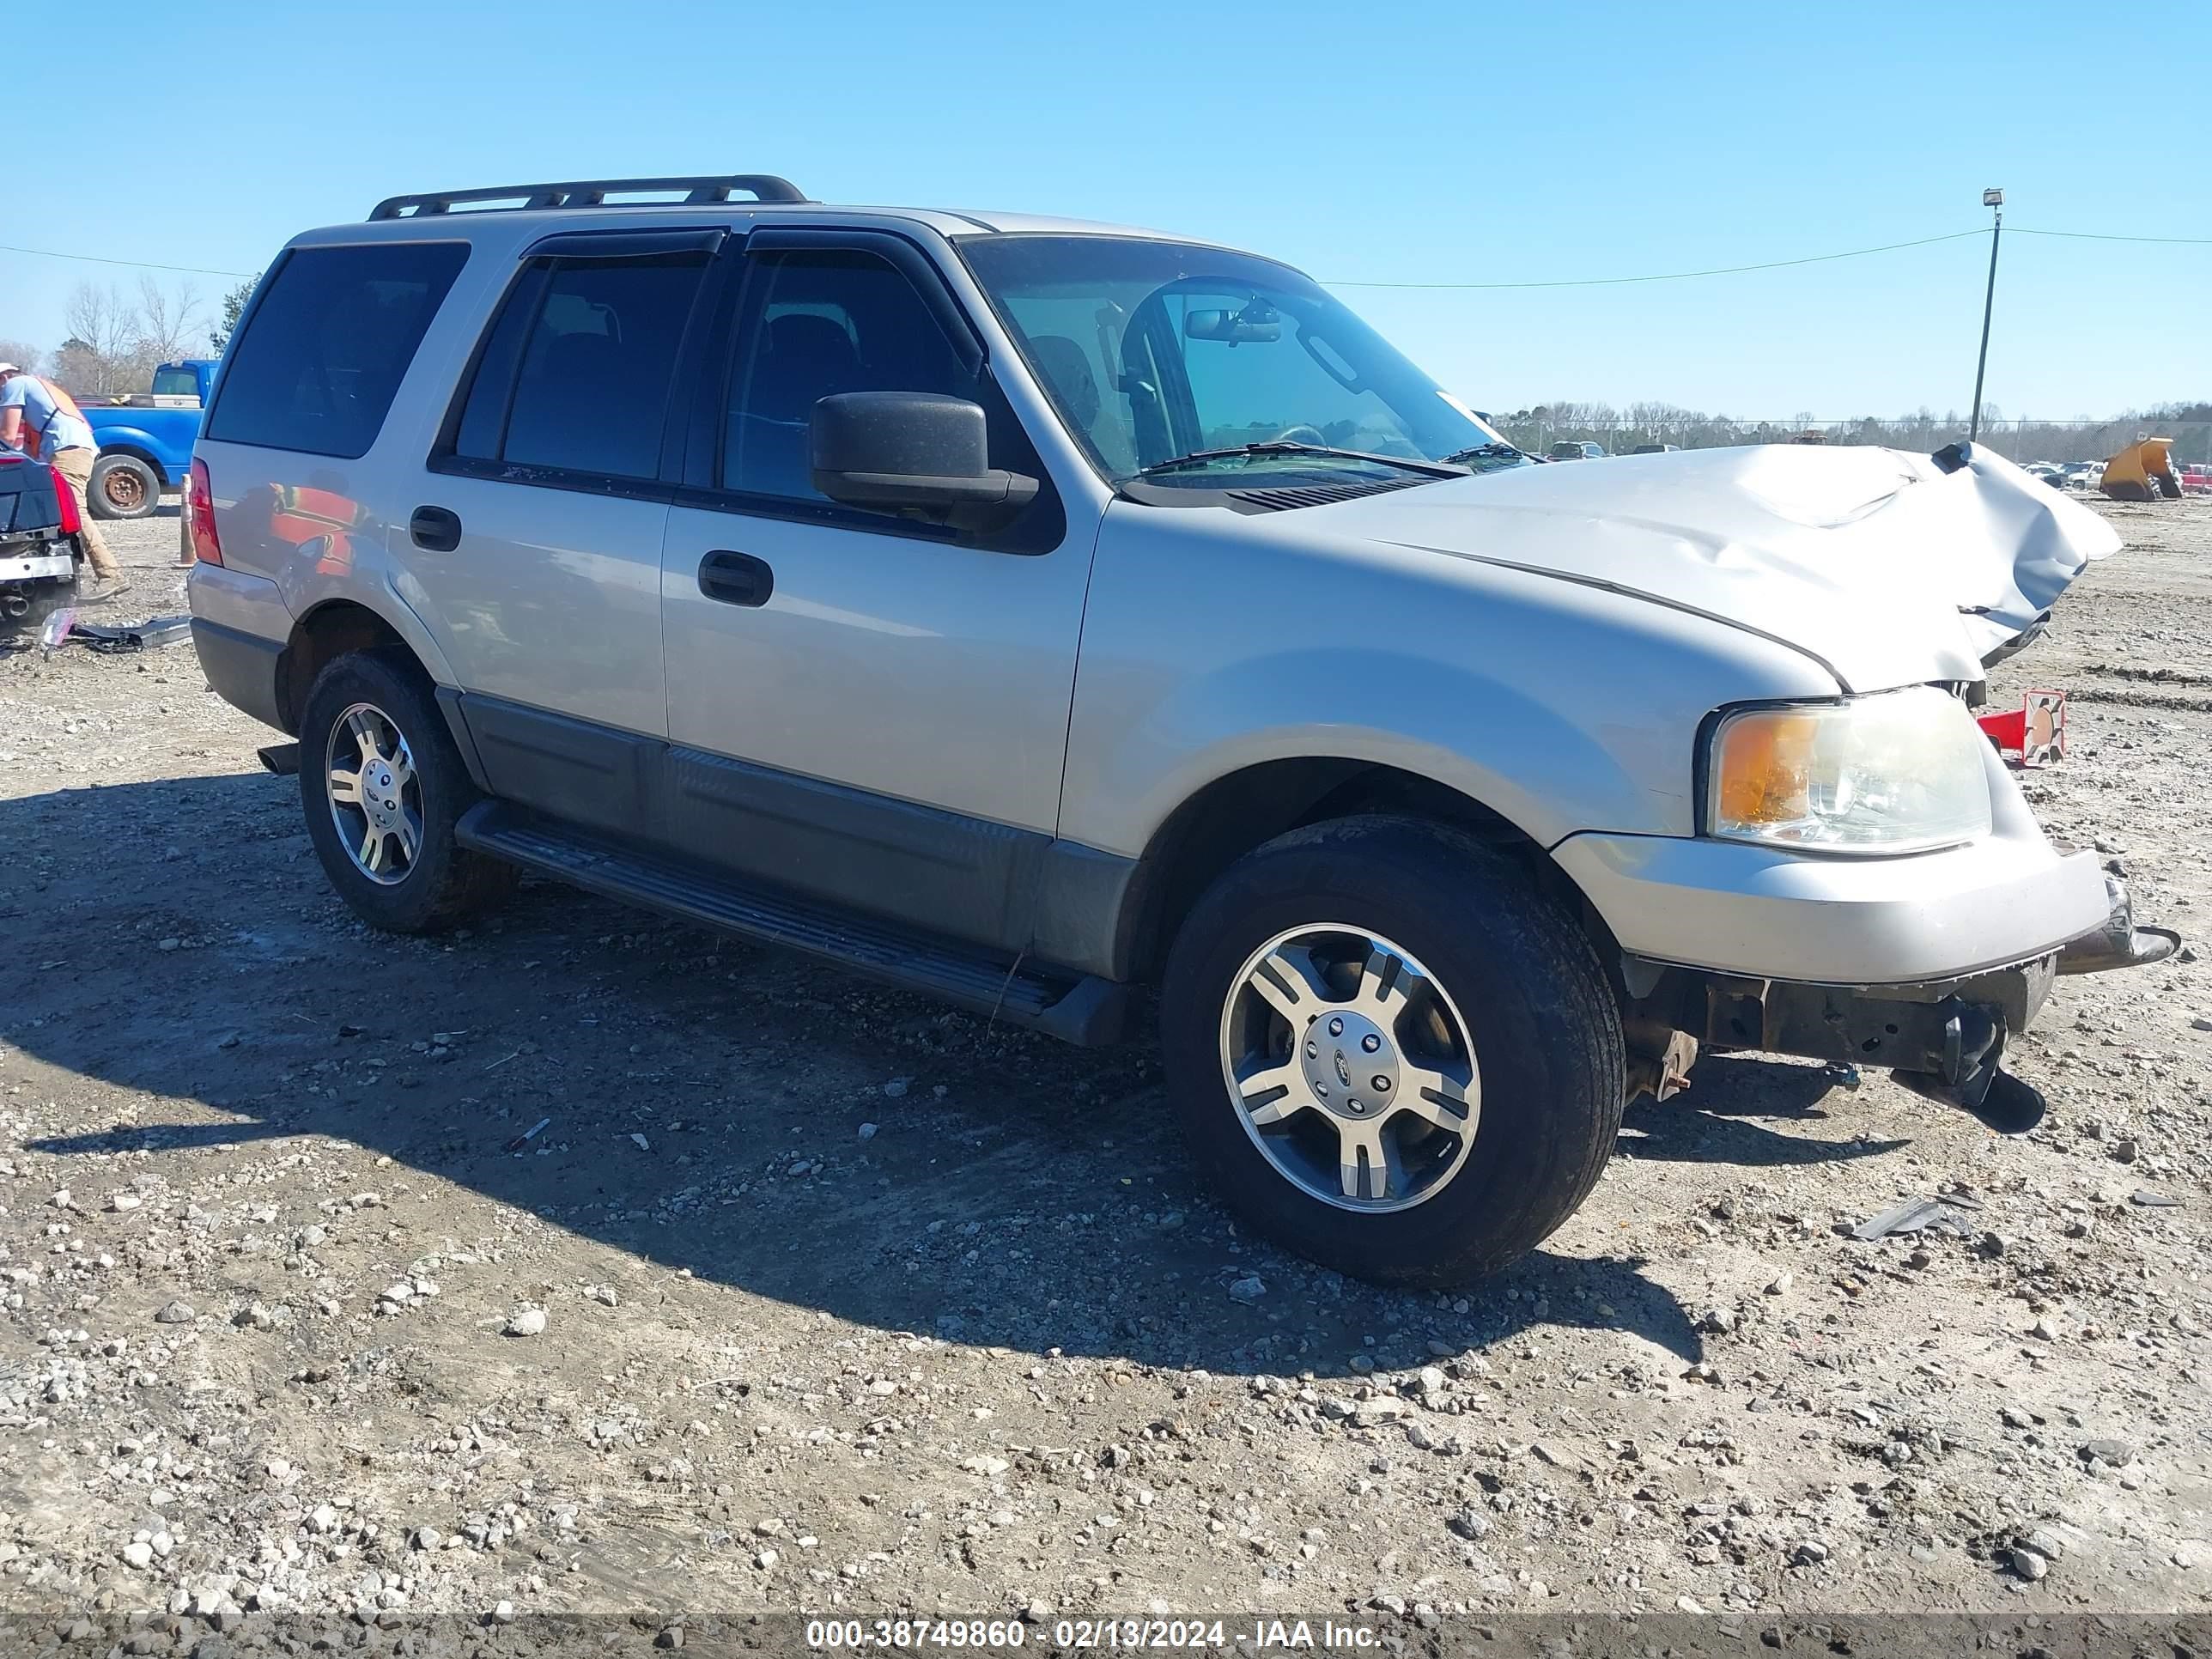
(2143, 472)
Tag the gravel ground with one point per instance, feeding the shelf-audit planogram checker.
(590, 1263)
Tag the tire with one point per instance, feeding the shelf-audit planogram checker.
(423, 881)
(122, 487)
(1542, 1078)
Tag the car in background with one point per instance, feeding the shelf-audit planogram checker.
(2197, 478)
(2082, 475)
(1567, 451)
(39, 541)
(1655, 449)
(145, 439)
(2046, 473)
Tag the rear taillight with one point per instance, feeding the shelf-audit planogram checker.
(65, 500)
(199, 508)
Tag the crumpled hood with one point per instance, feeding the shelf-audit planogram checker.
(1879, 563)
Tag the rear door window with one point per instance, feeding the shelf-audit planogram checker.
(332, 335)
(574, 375)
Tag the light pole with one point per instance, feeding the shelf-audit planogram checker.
(1993, 200)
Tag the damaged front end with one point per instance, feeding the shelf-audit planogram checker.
(1944, 1040)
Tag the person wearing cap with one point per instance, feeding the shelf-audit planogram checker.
(39, 418)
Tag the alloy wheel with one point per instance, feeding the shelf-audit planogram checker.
(1350, 1068)
(375, 797)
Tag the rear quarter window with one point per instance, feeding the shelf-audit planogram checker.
(330, 339)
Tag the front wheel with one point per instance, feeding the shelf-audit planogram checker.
(382, 786)
(1392, 1053)
(122, 487)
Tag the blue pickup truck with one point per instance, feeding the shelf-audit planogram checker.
(146, 446)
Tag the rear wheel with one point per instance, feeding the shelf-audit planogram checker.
(122, 487)
(1391, 1054)
(382, 786)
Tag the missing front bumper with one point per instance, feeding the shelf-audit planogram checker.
(1944, 1039)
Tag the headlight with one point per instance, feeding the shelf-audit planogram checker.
(1899, 772)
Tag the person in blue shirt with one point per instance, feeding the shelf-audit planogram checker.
(39, 418)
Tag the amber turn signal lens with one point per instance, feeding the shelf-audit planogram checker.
(1766, 767)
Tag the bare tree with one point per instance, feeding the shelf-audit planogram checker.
(169, 325)
(100, 355)
(113, 346)
(23, 354)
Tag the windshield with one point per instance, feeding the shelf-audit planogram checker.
(1170, 361)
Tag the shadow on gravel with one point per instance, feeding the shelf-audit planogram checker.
(1707, 1123)
(780, 1129)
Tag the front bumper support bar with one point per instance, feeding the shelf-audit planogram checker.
(1944, 1040)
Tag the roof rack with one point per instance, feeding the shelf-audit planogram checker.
(593, 192)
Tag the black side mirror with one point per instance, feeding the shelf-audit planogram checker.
(914, 454)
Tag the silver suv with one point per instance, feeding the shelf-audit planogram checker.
(1027, 611)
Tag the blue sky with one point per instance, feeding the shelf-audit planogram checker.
(1404, 143)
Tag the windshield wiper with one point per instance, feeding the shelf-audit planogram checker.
(1201, 457)
(1497, 452)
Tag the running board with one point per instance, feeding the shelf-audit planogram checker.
(1080, 1009)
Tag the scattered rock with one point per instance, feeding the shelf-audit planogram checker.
(1470, 1523)
(1382, 1409)
(526, 1321)
(1947, 1215)
(1250, 1288)
(2029, 1565)
(174, 1313)
(2107, 1450)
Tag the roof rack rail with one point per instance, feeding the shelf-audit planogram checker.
(593, 192)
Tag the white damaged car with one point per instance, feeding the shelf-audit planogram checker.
(1028, 612)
